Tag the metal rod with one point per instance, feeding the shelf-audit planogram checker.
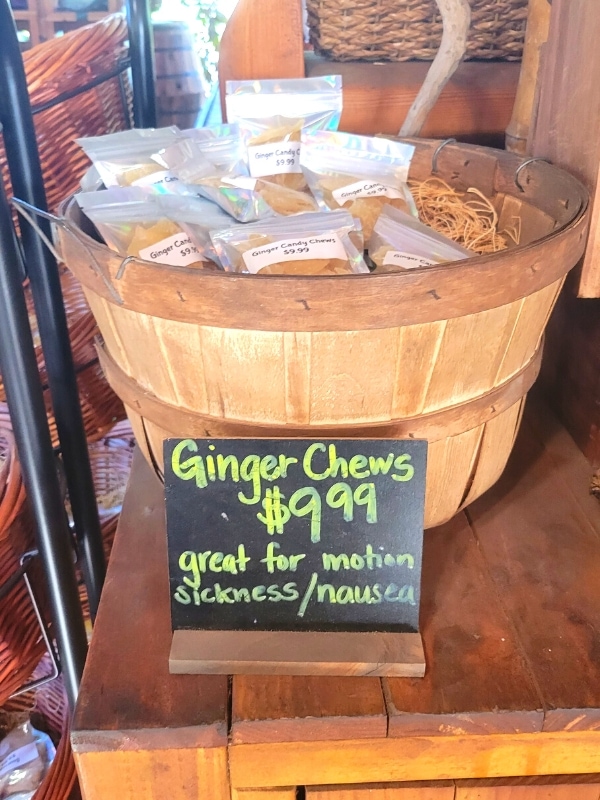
(141, 52)
(26, 175)
(18, 366)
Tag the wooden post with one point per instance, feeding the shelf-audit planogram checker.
(538, 24)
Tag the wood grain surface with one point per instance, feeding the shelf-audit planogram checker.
(566, 126)
(433, 790)
(463, 635)
(510, 626)
(413, 758)
(273, 707)
(296, 653)
(128, 699)
(546, 574)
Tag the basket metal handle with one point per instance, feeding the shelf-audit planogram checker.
(27, 211)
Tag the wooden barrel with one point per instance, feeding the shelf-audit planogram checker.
(179, 86)
(443, 353)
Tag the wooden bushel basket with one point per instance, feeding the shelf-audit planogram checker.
(443, 353)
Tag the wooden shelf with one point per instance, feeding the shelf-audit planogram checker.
(510, 622)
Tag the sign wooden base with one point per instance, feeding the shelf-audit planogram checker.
(297, 653)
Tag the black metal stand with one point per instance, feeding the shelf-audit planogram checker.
(28, 414)
(18, 364)
(141, 51)
(26, 175)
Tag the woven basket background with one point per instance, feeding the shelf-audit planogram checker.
(81, 323)
(21, 645)
(405, 30)
(110, 460)
(48, 709)
(63, 65)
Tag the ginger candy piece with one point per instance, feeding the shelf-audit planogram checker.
(283, 200)
(129, 176)
(309, 266)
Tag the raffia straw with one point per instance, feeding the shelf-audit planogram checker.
(469, 221)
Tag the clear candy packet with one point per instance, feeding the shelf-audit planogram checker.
(245, 198)
(125, 158)
(221, 145)
(25, 755)
(359, 173)
(400, 242)
(273, 115)
(162, 228)
(308, 244)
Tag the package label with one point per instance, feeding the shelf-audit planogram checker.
(365, 189)
(155, 178)
(396, 258)
(241, 183)
(176, 250)
(274, 158)
(326, 246)
(18, 758)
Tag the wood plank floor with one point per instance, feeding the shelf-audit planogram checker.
(510, 619)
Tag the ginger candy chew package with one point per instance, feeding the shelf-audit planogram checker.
(161, 228)
(245, 198)
(125, 158)
(359, 173)
(400, 242)
(221, 145)
(307, 244)
(274, 114)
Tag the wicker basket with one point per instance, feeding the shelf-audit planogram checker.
(110, 459)
(64, 65)
(21, 644)
(100, 406)
(81, 323)
(405, 30)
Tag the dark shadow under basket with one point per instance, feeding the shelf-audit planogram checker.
(407, 30)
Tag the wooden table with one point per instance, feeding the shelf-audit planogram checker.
(511, 627)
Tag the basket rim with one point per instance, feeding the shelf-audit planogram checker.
(312, 303)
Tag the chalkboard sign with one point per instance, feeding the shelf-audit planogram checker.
(294, 534)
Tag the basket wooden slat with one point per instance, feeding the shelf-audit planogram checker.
(63, 65)
(406, 30)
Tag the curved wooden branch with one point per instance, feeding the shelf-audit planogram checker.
(456, 18)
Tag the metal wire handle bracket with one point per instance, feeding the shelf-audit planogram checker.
(27, 211)
(522, 166)
(437, 151)
(5, 588)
